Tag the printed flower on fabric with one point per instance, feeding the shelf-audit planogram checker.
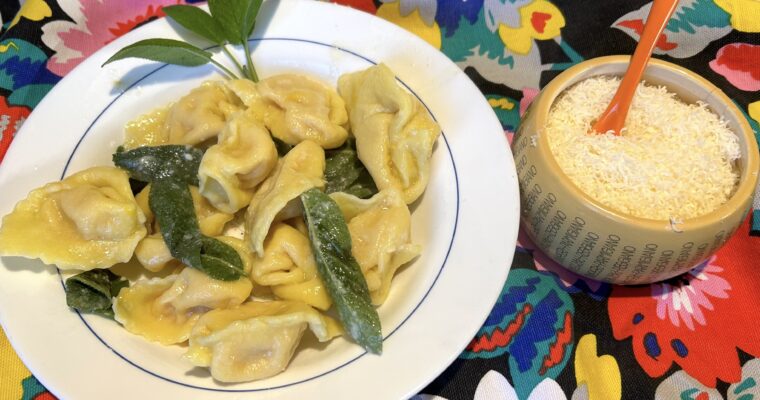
(456, 11)
(14, 370)
(539, 19)
(474, 45)
(494, 385)
(696, 320)
(744, 14)
(532, 324)
(599, 376)
(681, 386)
(748, 388)
(694, 24)
(571, 281)
(739, 63)
(95, 24)
(23, 72)
(364, 5)
(33, 10)
(33, 390)
(11, 118)
(416, 16)
(507, 110)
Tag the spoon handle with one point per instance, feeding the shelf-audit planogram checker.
(613, 119)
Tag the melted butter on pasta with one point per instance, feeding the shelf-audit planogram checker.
(296, 108)
(394, 133)
(89, 220)
(147, 130)
(201, 114)
(289, 269)
(196, 117)
(255, 340)
(165, 309)
(300, 170)
(380, 229)
(153, 254)
(242, 158)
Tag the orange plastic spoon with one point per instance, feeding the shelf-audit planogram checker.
(613, 118)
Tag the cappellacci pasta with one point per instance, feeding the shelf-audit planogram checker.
(238, 153)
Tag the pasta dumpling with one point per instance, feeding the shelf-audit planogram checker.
(88, 220)
(394, 133)
(241, 159)
(147, 130)
(255, 340)
(153, 254)
(289, 269)
(165, 309)
(380, 229)
(201, 114)
(300, 170)
(296, 108)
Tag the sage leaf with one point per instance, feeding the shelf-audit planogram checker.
(172, 204)
(197, 21)
(344, 172)
(229, 16)
(251, 11)
(93, 291)
(220, 261)
(152, 163)
(164, 50)
(236, 17)
(341, 274)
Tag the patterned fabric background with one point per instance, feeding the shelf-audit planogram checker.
(552, 334)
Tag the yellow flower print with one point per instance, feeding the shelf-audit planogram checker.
(34, 10)
(413, 22)
(744, 14)
(6, 47)
(601, 375)
(12, 370)
(754, 111)
(539, 19)
(502, 103)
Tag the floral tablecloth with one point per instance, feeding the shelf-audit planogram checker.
(552, 334)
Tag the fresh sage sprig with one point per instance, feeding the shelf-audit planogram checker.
(93, 291)
(341, 274)
(230, 22)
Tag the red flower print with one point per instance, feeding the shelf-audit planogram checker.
(11, 118)
(364, 5)
(93, 24)
(637, 26)
(45, 396)
(123, 27)
(670, 322)
(739, 63)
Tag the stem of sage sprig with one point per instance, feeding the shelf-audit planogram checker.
(241, 69)
(230, 74)
(230, 22)
(252, 71)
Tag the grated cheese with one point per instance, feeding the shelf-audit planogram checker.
(673, 160)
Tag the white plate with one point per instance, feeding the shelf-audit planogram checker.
(467, 219)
